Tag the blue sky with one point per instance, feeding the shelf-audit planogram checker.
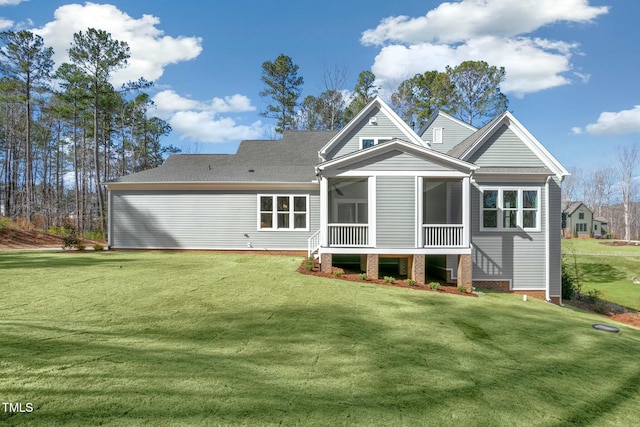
(572, 65)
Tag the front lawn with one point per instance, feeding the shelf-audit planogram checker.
(155, 338)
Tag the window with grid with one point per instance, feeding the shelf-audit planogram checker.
(283, 212)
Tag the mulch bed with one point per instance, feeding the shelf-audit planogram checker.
(341, 274)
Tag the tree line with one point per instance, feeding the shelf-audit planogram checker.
(469, 91)
(611, 192)
(65, 131)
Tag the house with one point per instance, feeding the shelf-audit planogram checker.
(578, 221)
(478, 207)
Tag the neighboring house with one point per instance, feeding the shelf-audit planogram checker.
(476, 206)
(578, 221)
(600, 228)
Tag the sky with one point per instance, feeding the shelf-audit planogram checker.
(571, 65)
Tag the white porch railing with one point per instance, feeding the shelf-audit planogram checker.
(443, 235)
(348, 235)
(313, 244)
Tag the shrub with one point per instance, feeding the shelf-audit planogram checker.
(94, 235)
(337, 273)
(81, 246)
(389, 279)
(55, 230)
(5, 222)
(462, 289)
(362, 276)
(98, 247)
(568, 285)
(309, 264)
(411, 282)
(434, 285)
(70, 241)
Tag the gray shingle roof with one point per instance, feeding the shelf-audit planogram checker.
(459, 149)
(291, 159)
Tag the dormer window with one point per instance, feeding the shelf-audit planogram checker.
(366, 142)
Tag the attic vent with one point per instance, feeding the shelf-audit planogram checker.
(251, 170)
(373, 120)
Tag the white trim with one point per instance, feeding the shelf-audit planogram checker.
(304, 186)
(109, 215)
(547, 243)
(324, 211)
(274, 212)
(373, 208)
(526, 137)
(466, 212)
(420, 173)
(500, 209)
(395, 144)
(438, 137)
(396, 251)
(419, 198)
(362, 115)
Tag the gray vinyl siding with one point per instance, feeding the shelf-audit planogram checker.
(383, 129)
(519, 256)
(504, 148)
(395, 207)
(200, 220)
(555, 249)
(452, 133)
(396, 160)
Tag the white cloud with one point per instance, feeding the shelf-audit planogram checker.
(203, 126)
(199, 120)
(467, 19)
(614, 123)
(10, 2)
(489, 30)
(151, 50)
(5, 24)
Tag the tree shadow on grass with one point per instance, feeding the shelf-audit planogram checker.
(599, 272)
(312, 365)
(74, 259)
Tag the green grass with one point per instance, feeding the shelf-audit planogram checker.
(604, 271)
(149, 338)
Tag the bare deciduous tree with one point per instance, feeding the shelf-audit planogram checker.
(628, 161)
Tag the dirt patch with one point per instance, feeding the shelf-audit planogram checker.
(14, 239)
(352, 276)
(608, 310)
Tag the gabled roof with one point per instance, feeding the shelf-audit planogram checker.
(470, 145)
(437, 113)
(387, 111)
(570, 207)
(395, 144)
(289, 160)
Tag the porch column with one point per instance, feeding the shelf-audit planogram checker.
(372, 266)
(324, 212)
(464, 272)
(417, 269)
(326, 263)
(466, 211)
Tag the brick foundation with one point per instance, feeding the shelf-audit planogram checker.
(326, 263)
(494, 285)
(464, 272)
(418, 269)
(372, 266)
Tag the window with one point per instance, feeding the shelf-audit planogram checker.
(371, 141)
(510, 209)
(581, 215)
(283, 212)
(595, 227)
(437, 135)
(581, 228)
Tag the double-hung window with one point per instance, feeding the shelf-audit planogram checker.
(283, 212)
(505, 209)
